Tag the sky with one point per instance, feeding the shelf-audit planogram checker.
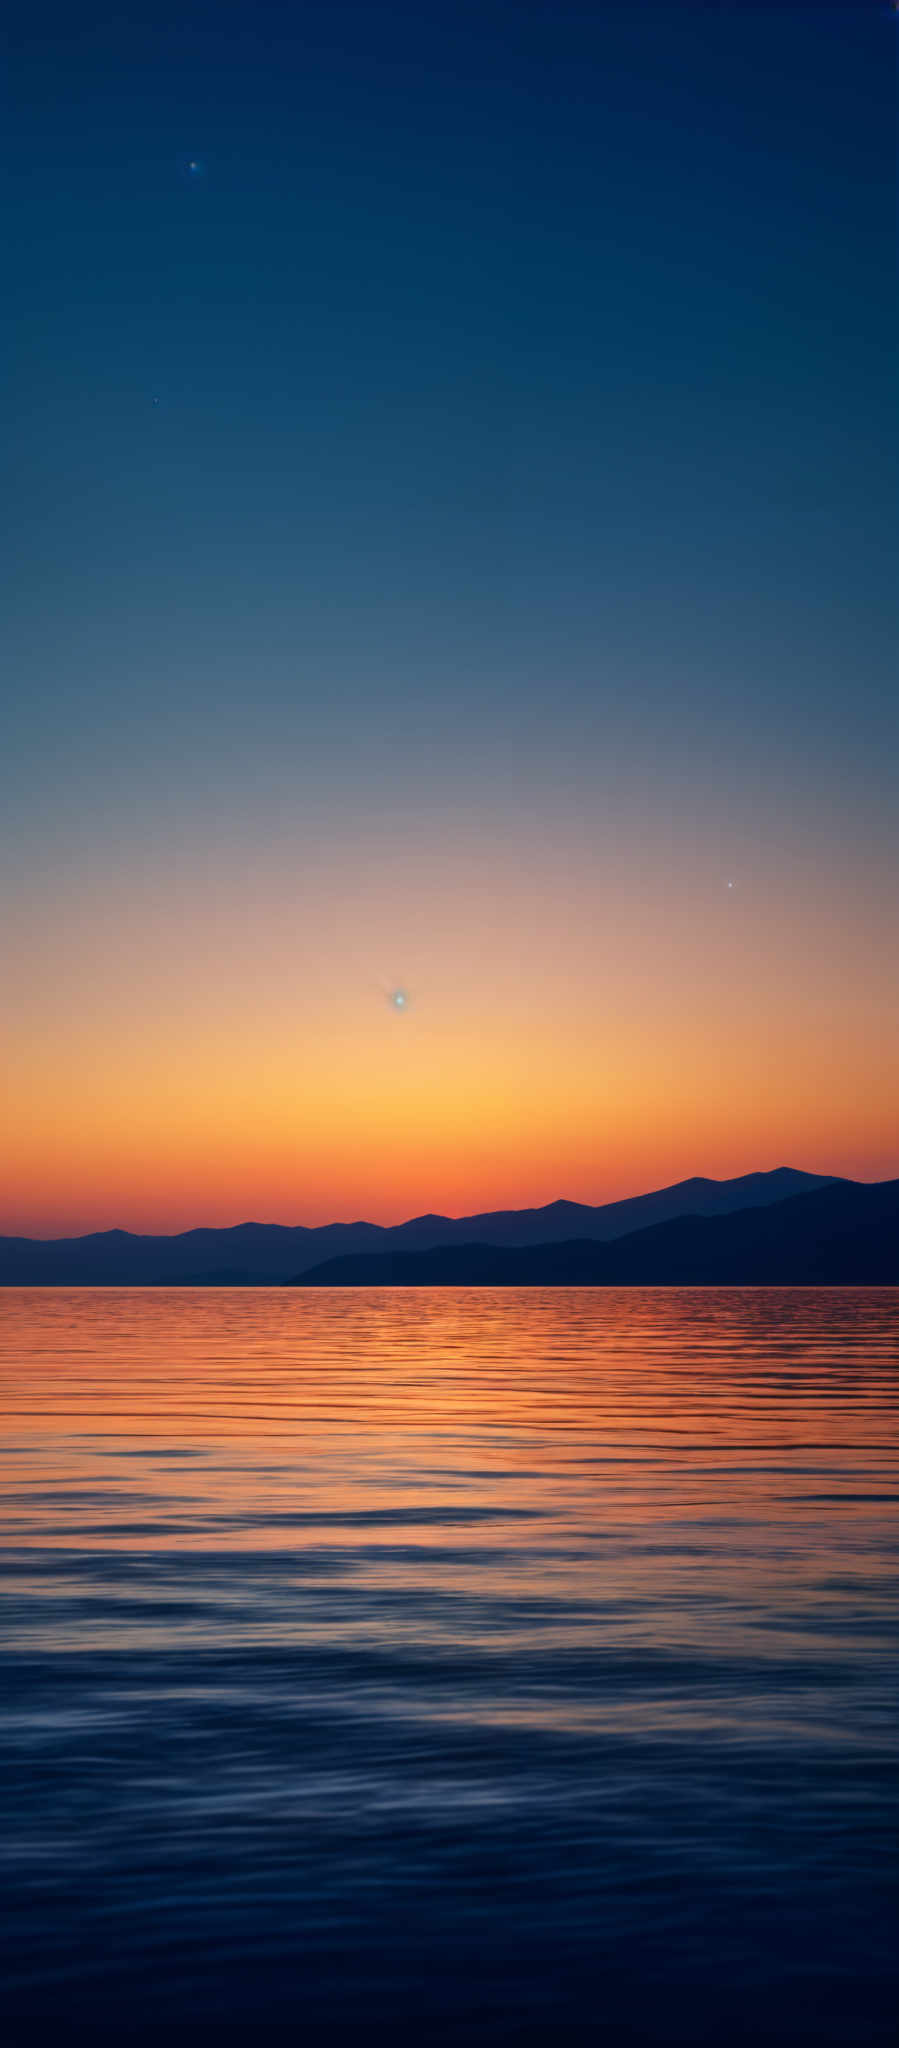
(451, 487)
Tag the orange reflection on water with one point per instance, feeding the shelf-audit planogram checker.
(642, 1462)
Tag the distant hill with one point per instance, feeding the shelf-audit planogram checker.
(559, 1221)
(258, 1253)
(842, 1234)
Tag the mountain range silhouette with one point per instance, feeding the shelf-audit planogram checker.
(751, 1228)
(842, 1234)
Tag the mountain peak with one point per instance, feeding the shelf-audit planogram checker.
(274, 1252)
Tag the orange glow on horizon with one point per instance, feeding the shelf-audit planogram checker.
(180, 1055)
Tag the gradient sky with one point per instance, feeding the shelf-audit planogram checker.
(453, 539)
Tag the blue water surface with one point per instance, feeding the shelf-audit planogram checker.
(429, 1666)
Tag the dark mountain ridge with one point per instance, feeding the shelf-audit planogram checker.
(256, 1253)
(842, 1234)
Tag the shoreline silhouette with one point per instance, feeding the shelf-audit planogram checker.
(785, 1227)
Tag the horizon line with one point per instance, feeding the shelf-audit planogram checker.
(426, 1215)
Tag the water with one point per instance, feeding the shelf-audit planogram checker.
(428, 1666)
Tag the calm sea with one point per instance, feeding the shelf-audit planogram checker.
(425, 1666)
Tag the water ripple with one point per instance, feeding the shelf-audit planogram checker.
(449, 1667)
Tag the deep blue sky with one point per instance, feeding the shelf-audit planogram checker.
(501, 353)
(495, 427)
